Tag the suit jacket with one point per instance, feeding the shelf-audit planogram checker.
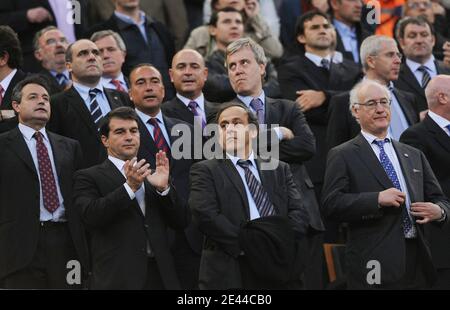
(175, 108)
(119, 231)
(19, 199)
(219, 205)
(71, 118)
(179, 172)
(6, 102)
(52, 82)
(353, 179)
(428, 137)
(408, 82)
(361, 34)
(295, 152)
(342, 126)
(300, 73)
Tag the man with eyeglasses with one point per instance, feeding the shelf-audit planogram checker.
(386, 192)
(381, 61)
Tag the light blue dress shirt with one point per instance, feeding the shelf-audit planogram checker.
(106, 82)
(349, 38)
(141, 25)
(101, 97)
(399, 123)
(414, 67)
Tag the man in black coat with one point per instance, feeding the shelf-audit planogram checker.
(432, 137)
(127, 210)
(77, 112)
(41, 233)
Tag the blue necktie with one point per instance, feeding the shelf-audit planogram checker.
(325, 63)
(94, 108)
(258, 107)
(390, 171)
(448, 127)
(62, 80)
(263, 204)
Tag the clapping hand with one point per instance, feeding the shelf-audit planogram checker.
(160, 178)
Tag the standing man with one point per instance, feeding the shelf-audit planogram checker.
(432, 137)
(229, 196)
(126, 210)
(77, 112)
(147, 93)
(113, 51)
(41, 230)
(385, 191)
(246, 68)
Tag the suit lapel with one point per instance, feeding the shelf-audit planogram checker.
(407, 169)
(437, 132)
(268, 182)
(58, 151)
(230, 171)
(408, 110)
(146, 139)
(82, 110)
(113, 98)
(410, 79)
(17, 143)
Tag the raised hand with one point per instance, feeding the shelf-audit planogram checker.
(136, 173)
(160, 178)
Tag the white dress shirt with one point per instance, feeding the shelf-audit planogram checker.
(106, 82)
(45, 215)
(442, 122)
(200, 104)
(6, 81)
(145, 119)
(317, 60)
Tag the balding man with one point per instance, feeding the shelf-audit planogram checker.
(385, 191)
(432, 137)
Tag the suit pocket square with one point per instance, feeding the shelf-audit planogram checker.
(416, 171)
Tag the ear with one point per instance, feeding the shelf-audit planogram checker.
(171, 74)
(105, 141)
(16, 106)
(262, 69)
(69, 66)
(205, 73)
(301, 39)
(212, 30)
(355, 113)
(38, 55)
(334, 4)
(4, 59)
(371, 61)
(401, 42)
(433, 38)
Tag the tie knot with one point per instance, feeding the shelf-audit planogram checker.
(422, 69)
(38, 136)
(256, 104)
(192, 105)
(244, 163)
(380, 143)
(325, 63)
(153, 121)
(448, 127)
(93, 92)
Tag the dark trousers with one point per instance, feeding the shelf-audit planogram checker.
(154, 280)
(313, 275)
(187, 262)
(48, 269)
(443, 279)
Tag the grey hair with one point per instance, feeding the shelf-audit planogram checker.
(354, 93)
(105, 33)
(371, 46)
(239, 44)
(38, 34)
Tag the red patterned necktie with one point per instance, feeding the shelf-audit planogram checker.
(117, 84)
(48, 184)
(158, 136)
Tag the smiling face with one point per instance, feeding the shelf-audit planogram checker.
(34, 107)
(147, 89)
(123, 139)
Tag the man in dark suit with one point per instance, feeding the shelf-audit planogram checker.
(294, 138)
(147, 93)
(381, 62)
(385, 191)
(146, 40)
(311, 79)
(41, 235)
(77, 112)
(28, 17)
(126, 210)
(228, 192)
(416, 38)
(432, 137)
(50, 46)
(188, 75)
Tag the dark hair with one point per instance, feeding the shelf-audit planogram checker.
(10, 44)
(32, 79)
(302, 19)
(125, 113)
(402, 23)
(252, 119)
(215, 15)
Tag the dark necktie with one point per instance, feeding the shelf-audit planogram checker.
(390, 171)
(448, 127)
(158, 137)
(48, 184)
(425, 76)
(257, 105)
(325, 63)
(118, 86)
(94, 108)
(62, 80)
(262, 201)
(193, 107)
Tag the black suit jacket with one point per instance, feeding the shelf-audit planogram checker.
(19, 199)
(408, 82)
(342, 126)
(119, 231)
(52, 82)
(428, 137)
(6, 102)
(300, 73)
(353, 179)
(175, 108)
(71, 118)
(219, 205)
(361, 34)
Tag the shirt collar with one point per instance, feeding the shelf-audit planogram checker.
(442, 122)
(344, 29)
(118, 163)
(248, 99)
(200, 101)
(235, 159)
(317, 59)
(7, 80)
(370, 138)
(429, 64)
(84, 90)
(144, 117)
(120, 78)
(29, 132)
(65, 73)
(127, 19)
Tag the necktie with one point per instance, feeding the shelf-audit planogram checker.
(94, 108)
(158, 137)
(118, 86)
(62, 80)
(448, 127)
(1, 94)
(325, 63)
(263, 204)
(258, 107)
(425, 76)
(48, 184)
(193, 107)
(390, 171)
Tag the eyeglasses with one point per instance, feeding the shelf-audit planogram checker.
(416, 5)
(372, 104)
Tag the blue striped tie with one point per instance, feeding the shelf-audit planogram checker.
(263, 204)
(94, 108)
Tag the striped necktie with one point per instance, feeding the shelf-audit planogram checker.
(118, 86)
(425, 76)
(94, 108)
(62, 80)
(158, 137)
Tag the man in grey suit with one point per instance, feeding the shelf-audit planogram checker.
(386, 191)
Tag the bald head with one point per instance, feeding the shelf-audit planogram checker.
(438, 93)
